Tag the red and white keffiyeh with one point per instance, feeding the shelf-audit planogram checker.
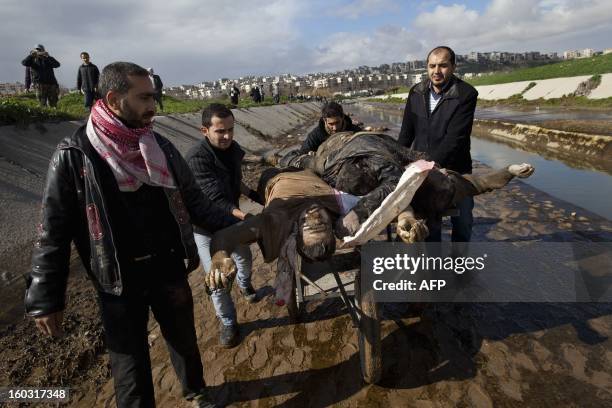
(132, 154)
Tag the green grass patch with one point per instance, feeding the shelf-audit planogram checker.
(400, 89)
(388, 100)
(600, 64)
(595, 81)
(25, 109)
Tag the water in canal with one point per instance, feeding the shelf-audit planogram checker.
(589, 189)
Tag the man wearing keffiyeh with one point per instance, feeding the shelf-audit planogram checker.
(126, 198)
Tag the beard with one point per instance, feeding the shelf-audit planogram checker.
(134, 119)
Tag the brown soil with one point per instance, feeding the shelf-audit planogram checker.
(452, 355)
(595, 127)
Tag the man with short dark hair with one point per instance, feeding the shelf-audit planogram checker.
(158, 86)
(333, 120)
(127, 199)
(41, 66)
(438, 121)
(87, 80)
(216, 164)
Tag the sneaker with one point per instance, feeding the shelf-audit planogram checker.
(228, 335)
(201, 401)
(249, 294)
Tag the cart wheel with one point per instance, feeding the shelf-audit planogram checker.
(369, 334)
(293, 308)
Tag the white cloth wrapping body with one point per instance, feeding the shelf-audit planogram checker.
(392, 205)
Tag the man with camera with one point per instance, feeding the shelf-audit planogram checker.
(41, 66)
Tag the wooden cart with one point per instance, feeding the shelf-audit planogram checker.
(340, 277)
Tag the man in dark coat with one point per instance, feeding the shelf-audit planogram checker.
(127, 199)
(158, 86)
(332, 120)
(234, 94)
(438, 121)
(216, 164)
(87, 80)
(41, 66)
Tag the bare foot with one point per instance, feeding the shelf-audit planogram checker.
(412, 232)
(523, 170)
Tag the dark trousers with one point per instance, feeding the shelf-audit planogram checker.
(158, 99)
(462, 224)
(90, 96)
(47, 94)
(125, 321)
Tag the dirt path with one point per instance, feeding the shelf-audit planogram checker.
(478, 355)
(470, 355)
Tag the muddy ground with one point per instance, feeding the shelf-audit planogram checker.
(481, 355)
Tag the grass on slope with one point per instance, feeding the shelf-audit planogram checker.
(600, 64)
(24, 109)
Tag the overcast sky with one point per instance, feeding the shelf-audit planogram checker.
(188, 41)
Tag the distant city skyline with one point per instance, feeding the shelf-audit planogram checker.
(192, 41)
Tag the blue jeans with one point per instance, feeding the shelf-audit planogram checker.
(222, 300)
(462, 224)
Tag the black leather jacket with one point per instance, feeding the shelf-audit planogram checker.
(318, 135)
(73, 209)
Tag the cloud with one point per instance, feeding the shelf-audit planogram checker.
(505, 25)
(358, 8)
(188, 41)
(514, 24)
(387, 44)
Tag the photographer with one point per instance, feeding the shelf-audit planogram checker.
(41, 66)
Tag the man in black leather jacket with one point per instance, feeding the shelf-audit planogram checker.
(127, 199)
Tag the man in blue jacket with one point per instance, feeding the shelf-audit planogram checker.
(438, 121)
(216, 164)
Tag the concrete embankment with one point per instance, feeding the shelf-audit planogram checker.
(536, 89)
(25, 154)
(581, 149)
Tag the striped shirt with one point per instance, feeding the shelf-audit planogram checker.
(434, 98)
